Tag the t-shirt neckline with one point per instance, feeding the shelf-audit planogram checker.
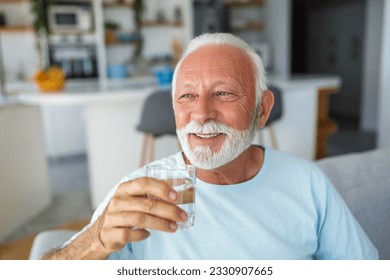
(251, 183)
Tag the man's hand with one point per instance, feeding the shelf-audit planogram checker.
(126, 218)
(130, 212)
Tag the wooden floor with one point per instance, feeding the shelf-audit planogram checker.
(20, 249)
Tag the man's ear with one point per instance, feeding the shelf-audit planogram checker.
(267, 102)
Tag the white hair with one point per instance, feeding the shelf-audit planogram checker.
(226, 39)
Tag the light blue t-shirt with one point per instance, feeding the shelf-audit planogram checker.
(289, 210)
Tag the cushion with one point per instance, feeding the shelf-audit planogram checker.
(363, 180)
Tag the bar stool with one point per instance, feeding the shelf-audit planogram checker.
(157, 119)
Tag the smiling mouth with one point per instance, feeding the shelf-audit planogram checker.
(207, 135)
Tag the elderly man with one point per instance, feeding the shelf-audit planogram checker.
(252, 202)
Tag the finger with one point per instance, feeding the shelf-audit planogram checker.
(141, 220)
(137, 234)
(154, 207)
(146, 185)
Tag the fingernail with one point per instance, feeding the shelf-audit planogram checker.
(173, 226)
(172, 195)
(183, 215)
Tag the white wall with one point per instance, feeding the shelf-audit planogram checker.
(376, 83)
(384, 82)
(372, 58)
(278, 33)
(18, 13)
(19, 55)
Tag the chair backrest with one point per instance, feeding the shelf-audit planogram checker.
(48, 240)
(277, 110)
(157, 117)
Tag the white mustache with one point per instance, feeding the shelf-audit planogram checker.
(206, 128)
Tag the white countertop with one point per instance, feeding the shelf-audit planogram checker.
(8, 101)
(307, 80)
(85, 92)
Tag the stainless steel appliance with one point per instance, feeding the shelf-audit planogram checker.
(77, 59)
(70, 17)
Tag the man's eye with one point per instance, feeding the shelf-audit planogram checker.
(225, 96)
(222, 93)
(186, 97)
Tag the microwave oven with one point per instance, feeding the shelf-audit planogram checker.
(70, 19)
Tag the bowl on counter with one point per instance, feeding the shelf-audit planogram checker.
(117, 71)
(163, 75)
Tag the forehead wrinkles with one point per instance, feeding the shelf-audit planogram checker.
(198, 61)
(226, 67)
(210, 57)
(223, 54)
(201, 76)
(225, 63)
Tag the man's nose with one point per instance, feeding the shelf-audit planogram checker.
(204, 110)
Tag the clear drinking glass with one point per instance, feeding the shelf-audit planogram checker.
(183, 179)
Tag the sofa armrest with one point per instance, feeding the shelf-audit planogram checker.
(363, 180)
(48, 240)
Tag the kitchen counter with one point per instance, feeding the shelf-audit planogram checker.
(83, 92)
(112, 113)
(24, 185)
(319, 87)
(8, 100)
(305, 81)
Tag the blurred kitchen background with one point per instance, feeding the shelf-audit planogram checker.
(65, 141)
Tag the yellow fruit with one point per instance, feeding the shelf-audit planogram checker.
(51, 80)
(40, 76)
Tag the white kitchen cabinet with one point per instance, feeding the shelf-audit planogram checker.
(64, 130)
(24, 184)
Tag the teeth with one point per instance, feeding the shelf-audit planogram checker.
(207, 135)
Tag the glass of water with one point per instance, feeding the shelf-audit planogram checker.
(182, 178)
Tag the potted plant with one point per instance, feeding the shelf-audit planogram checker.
(138, 10)
(110, 29)
(47, 78)
(140, 65)
(39, 10)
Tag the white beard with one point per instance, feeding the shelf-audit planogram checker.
(237, 141)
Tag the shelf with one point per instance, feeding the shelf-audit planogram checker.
(162, 23)
(15, 28)
(258, 26)
(74, 33)
(13, 1)
(118, 5)
(119, 44)
(245, 3)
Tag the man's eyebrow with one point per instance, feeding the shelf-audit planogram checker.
(189, 83)
(232, 82)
